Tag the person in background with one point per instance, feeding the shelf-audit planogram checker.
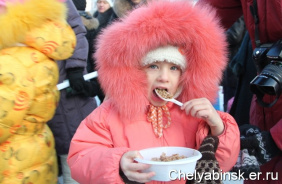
(103, 15)
(91, 24)
(75, 102)
(33, 35)
(235, 35)
(264, 25)
(158, 46)
(243, 66)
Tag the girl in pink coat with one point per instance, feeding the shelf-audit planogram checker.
(171, 45)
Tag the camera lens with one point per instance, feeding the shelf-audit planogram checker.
(269, 81)
(264, 85)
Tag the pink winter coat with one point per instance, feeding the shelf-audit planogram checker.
(103, 137)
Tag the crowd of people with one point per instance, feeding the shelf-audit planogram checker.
(261, 131)
(186, 48)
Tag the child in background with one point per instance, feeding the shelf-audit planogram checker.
(171, 45)
(33, 34)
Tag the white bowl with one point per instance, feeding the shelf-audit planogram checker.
(167, 171)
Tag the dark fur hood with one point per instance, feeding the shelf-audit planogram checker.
(89, 22)
(122, 7)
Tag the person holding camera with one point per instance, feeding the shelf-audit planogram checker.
(263, 136)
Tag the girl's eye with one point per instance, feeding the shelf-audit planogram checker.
(175, 68)
(153, 66)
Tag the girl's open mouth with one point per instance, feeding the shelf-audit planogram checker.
(159, 89)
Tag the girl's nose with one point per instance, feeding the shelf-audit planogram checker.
(163, 75)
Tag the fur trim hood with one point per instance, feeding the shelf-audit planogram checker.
(90, 23)
(123, 7)
(20, 18)
(194, 29)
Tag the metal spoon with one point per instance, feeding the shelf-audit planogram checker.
(168, 99)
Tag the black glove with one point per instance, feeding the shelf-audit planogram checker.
(76, 80)
(246, 164)
(259, 144)
(208, 162)
(86, 89)
(91, 88)
(78, 86)
(97, 89)
(248, 130)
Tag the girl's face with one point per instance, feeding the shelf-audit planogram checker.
(162, 75)
(103, 6)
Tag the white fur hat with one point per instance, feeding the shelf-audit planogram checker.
(167, 53)
(109, 1)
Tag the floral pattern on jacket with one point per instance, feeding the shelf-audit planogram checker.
(28, 92)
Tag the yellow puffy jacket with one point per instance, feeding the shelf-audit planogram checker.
(32, 36)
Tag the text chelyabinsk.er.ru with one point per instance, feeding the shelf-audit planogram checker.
(178, 175)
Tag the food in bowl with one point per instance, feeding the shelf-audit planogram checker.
(169, 171)
(164, 158)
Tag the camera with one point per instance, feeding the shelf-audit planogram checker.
(268, 61)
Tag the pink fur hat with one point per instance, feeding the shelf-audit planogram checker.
(193, 29)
